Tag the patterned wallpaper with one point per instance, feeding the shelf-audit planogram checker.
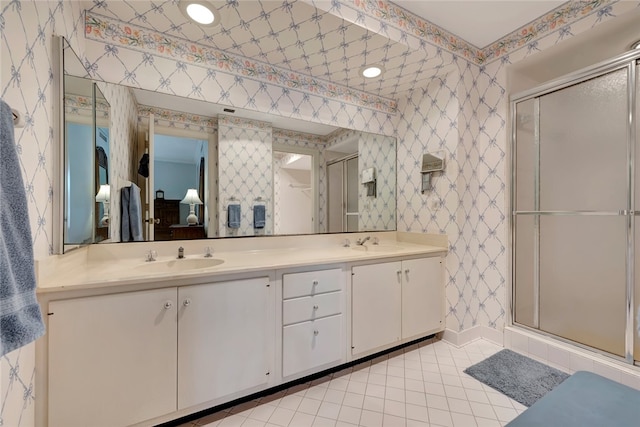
(244, 175)
(26, 81)
(123, 138)
(378, 152)
(470, 194)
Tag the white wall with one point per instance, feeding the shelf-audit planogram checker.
(293, 200)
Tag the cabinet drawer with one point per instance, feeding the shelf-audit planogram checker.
(311, 307)
(311, 344)
(311, 282)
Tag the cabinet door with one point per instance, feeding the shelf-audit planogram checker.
(422, 296)
(112, 359)
(376, 306)
(311, 344)
(223, 339)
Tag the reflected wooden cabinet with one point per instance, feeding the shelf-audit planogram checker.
(186, 232)
(168, 212)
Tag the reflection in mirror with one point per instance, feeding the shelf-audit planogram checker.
(86, 155)
(293, 187)
(243, 158)
(86, 162)
(179, 166)
(101, 162)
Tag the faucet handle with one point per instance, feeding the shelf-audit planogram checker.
(346, 243)
(375, 241)
(208, 252)
(152, 255)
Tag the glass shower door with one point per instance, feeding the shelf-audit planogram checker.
(584, 181)
(572, 203)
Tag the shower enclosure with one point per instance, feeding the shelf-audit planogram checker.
(575, 200)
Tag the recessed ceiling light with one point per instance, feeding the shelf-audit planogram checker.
(372, 71)
(201, 12)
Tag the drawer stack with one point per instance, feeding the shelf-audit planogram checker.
(312, 320)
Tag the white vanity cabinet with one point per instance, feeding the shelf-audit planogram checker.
(225, 336)
(112, 359)
(312, 320)
(394, 302)
(121, 359)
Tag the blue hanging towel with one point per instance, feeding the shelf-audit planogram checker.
(20, 317)
(259, 216)
(233, 215)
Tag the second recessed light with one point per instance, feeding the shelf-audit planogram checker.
(372, 71)
(201, 12)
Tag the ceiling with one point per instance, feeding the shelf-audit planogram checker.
(293, 35)
(479, 22)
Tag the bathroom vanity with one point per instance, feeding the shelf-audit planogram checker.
(132, 342)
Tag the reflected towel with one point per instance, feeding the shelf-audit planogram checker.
(259, 216)
(233, 216)
(20, 317)
(135, 213)
(131, 214)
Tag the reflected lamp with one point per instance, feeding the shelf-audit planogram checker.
(191, 199)
(103, 196)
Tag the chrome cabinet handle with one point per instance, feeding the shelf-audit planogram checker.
(315, 283)
(186, 302)
(315, 307)
(315, 332)
(168, 305)
(406, 271)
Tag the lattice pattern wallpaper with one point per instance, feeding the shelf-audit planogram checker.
(378, 152)
(246, 173)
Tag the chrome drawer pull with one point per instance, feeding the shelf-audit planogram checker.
(315, 332)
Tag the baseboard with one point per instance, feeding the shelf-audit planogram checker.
(461, 338)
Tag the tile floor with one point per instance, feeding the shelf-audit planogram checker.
(422, 385)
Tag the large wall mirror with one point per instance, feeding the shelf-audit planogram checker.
(201, 170)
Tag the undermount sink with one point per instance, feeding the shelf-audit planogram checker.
(377, 248)
(185, 264)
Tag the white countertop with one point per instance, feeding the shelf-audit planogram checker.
(119, 264)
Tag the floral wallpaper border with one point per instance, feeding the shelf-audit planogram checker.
(107, 30)
(240, 122)
(208, 123)
(406, 21)
(307, 137)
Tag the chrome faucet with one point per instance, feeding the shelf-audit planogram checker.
(360, 242)
(180, 252)
(151, 256)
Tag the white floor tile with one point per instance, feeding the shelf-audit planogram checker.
(421, 386)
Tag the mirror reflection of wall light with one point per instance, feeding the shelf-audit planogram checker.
(201, 12)
(103, 196)
(192, 199)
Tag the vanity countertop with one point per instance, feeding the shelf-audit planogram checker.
(119, 264)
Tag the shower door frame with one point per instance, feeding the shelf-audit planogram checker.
(626, 61)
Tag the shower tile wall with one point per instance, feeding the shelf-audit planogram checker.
(25, 84)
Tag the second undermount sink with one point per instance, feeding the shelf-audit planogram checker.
(179, 265)
(377, 248)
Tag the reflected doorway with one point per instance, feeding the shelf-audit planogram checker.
(179, 165)
(293, 193)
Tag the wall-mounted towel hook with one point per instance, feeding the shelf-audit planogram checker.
(17, 118)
